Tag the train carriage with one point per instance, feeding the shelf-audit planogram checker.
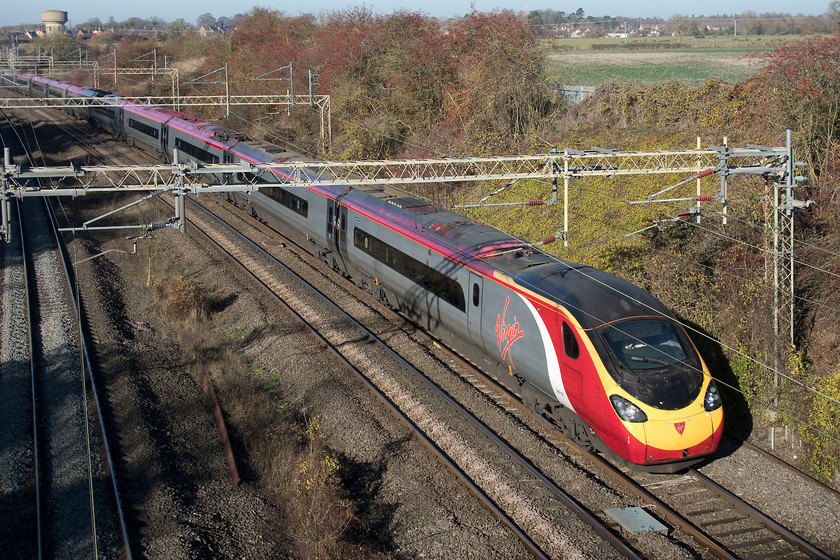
(145, 128)
(79, 92)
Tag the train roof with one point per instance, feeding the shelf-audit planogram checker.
(593, 296)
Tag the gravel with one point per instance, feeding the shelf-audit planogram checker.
(17, 497)
(800, 504)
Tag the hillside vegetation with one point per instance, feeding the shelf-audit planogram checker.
(405, 85)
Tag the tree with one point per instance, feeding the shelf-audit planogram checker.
(93, 23)
(134, 23)
(500, 93)
(833, 12)
(205, 20)
(800, 86)
(60, 44)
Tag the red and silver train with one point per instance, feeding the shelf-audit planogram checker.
(602, 358)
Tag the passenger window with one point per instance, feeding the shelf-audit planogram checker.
(570, 343)
(475, 295)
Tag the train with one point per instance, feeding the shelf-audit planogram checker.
(599, 357)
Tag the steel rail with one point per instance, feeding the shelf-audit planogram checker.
(35, 455)
(771, 524)
(582, 513)
(668, 514)
(770, 457)
(65, 263)
(30, 342)
(392, 407)
(83, 343)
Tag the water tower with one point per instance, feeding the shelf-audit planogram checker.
(54, 21)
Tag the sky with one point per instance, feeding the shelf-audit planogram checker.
(80, 11)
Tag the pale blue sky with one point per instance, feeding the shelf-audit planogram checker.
(20, 12)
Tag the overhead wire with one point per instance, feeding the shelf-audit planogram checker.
(597, 190)
(769, 230)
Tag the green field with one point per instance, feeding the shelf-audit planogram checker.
(590, 62)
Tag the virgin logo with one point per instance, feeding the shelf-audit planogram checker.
(507, 334)
(680, 427)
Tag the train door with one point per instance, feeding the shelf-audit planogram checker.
(337, 234)
(331, 225)
(341, 225)
(164, 143)
(569, 356)
(475, 297)
(227, 157)
(579, 386)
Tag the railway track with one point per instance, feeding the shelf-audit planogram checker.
(76, 509)
(727, 525)
(467, 447)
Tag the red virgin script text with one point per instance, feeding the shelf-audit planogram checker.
(507, 333)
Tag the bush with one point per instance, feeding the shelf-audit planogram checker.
(183, 299)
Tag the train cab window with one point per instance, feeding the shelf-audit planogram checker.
(476, 295)
(570, 343)
(642, 344)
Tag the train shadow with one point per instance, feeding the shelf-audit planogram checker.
(364, 481)
(737, 418)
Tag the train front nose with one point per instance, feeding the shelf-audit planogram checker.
(683, 438)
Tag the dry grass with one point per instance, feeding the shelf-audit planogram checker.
(276, 444)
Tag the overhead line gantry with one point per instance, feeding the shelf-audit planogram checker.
(775, 163)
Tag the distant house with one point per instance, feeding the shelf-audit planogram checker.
(206, 30)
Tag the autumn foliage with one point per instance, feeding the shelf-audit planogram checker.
(402, 81)
(799, 88)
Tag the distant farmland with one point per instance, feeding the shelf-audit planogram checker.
(589, 62)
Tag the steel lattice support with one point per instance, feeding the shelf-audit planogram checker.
(392, 172)
(566, 164)
(784, 308)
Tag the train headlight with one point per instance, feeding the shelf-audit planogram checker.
(712, 400)
(626, 410)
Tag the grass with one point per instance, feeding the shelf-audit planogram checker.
(741, 44)
(694, 70)
(590, 62)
